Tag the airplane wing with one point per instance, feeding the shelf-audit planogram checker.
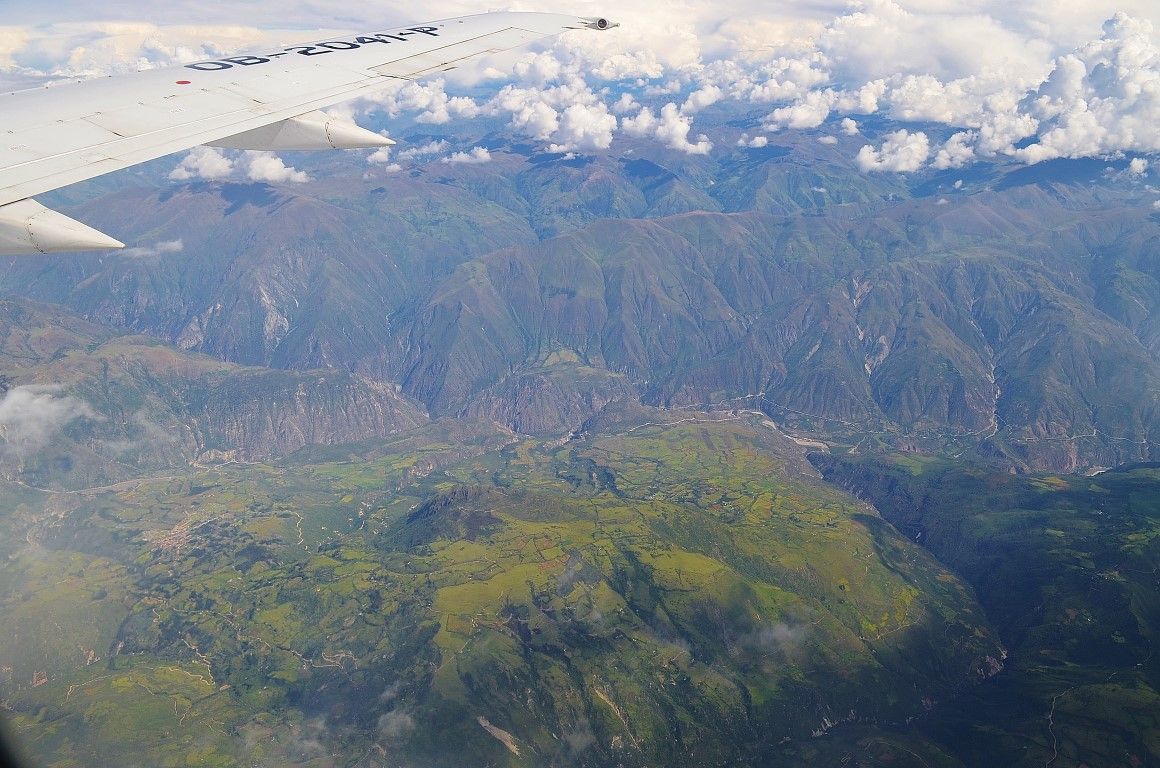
(58, 135)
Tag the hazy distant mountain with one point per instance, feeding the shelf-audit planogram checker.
(1017, 310)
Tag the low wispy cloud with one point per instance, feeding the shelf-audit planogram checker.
(31, 416)
(160, 248)
(435, 147)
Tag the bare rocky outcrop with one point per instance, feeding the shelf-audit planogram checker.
(267, 414)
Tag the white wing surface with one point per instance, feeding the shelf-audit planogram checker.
(54, 136)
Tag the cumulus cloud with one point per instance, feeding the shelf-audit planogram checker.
(756, 142)
(1047, 83)
(1104, 97)
(381, 156)
(902, 152)
(476, 156)
(701, 98)
(205, 163)
(568, 116)
(812, 109)
(538, 68)
(584, 127)
(671, 128)
(430, 100)
(781, 79)
(625, 104)
(1138, 166)
(809, 112)
(956, 152)
(268, 167)
(31, 416)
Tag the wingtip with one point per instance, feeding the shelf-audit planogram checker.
(28, 227)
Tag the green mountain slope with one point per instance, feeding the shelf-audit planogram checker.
(1066, 568)
(684, 592)
(822, 323)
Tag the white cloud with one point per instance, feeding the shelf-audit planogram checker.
(476, 156)
(433, 147)
(31, 416)
(395, 725)
(981, 66)
(809, 112)
(926, 98)
(569, 115)
(902, 152)
(72, 50)
(643, 125)
(268, 167)
(12, 41)
(538, 68)
(204, 163)
(381, 156)
(530, 111)
(584, 127)
(757, 142)
(956, 152)
(1104, 97)
(156, 249)
(430, 100)
(880, 39)
(812, 109)
(671, 129)
(781, 79)
(1138, 166)
(701, 98)
(828, 140)
(625, 104)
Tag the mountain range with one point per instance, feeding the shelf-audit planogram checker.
(1011, 311)
(631, 459)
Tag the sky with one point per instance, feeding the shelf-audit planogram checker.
(1028, 81)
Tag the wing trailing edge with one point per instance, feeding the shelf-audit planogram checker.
(313, 130)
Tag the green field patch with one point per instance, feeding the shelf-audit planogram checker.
(61, 612)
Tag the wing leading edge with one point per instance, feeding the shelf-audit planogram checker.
(59, 135)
